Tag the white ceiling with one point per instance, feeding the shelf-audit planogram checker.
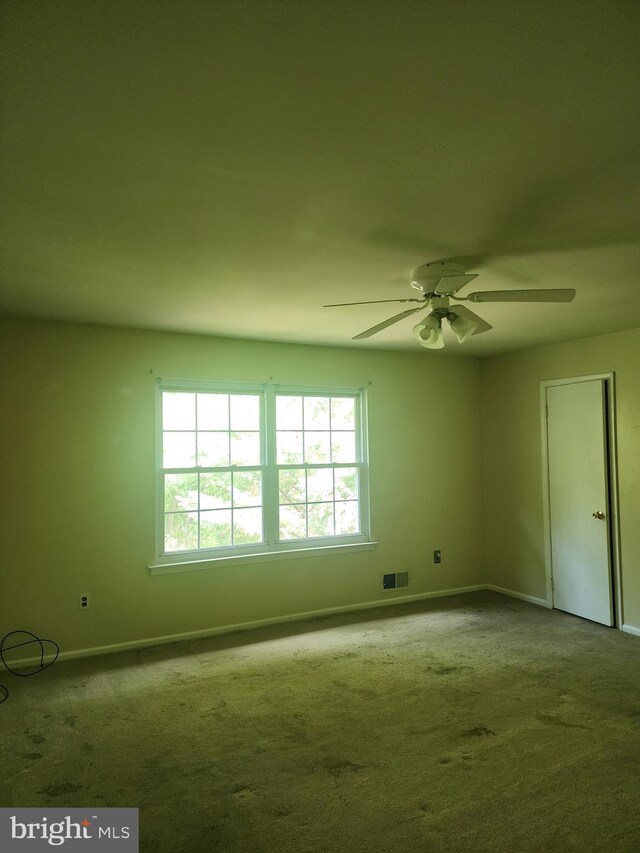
(229, 167)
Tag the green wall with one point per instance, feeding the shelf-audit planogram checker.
(455, 457)
(77, 410)
(512, 462)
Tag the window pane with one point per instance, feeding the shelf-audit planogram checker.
(292, 487)
(320, 484)
(289, 448)
(215, 491)
(346, 480)
(215, 528)
(293, 522)
(180, 531)
(317, 447)
(179, 449)
(213, 411)
(316, 412)
(245, 412)
(226, 505)
(247, 488)
(321, 519)
(288, 412)
(343, 447)
(247, 526)
(180, 492)
(347, 517)
(245, 448)
(213, 449)
(343, 413)
(178, 410)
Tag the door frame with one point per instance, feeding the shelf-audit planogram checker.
(612, 457)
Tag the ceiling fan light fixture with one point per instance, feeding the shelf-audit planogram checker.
(428, 332)
(462, 327)
(440, 282)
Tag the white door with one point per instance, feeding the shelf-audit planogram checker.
(579, 500)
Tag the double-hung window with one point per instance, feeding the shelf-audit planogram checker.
(250, 470)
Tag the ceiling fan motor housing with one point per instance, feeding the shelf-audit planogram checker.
(439, 303)
(442, 277)
(431, 273)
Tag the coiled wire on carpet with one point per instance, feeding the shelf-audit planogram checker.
(4, 693)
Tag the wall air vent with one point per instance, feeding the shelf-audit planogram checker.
(395, 580)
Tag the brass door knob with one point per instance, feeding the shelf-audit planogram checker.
(598, 514)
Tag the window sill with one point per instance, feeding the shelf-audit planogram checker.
(263, 557)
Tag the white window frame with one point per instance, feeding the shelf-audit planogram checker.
(271, 548)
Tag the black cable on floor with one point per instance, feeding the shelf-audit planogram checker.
(4, 693)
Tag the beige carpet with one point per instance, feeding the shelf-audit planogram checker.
(474, 723)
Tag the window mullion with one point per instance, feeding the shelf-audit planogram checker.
(197, 460)
(363, 464)
(160, 481)
(270, 497)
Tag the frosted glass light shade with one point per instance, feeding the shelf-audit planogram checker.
(428, 332)
(463, 327)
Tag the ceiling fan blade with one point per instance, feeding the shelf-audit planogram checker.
(372, 302)
(452, 283)
(480, 324)
(549, 295)
(385, 323)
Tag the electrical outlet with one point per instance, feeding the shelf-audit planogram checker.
(84, 601)
(437, 557)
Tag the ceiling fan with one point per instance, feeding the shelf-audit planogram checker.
(438, 283)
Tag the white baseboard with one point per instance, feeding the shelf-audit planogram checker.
(631, 629)
(246, 626)
(532, 599)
